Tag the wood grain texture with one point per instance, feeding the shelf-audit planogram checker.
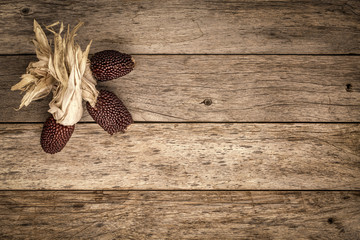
(241, 88)
(186, 156)
(179, 215)
(182, 81)
(148, 26)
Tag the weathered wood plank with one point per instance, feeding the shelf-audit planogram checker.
(242, 89)
(179, 215)
(261, 26)
(186, 156)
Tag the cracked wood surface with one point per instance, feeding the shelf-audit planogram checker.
(241, 89)
(179, 215)
(186, 156)
(173, 27)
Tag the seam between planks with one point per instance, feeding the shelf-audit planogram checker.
(179, 190)
(162, 122)
(212, 54)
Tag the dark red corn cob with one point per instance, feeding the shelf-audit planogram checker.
(54, 136)
(110, 64)
(110, 113)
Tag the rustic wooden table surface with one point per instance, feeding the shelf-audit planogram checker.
(247, 124)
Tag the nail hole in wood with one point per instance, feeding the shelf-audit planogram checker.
(207, 102)
(78, 205)
(99, 225)
(25, 11)
(348, 87)
(330, 220)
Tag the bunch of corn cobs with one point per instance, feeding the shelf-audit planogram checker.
(64, 70)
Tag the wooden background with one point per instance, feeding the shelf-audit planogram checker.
(247, 124)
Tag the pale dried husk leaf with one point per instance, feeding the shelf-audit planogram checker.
(65, 72)
(37, 82)
(35, 88)
(89, 91)
(42, 46)
(88, 83)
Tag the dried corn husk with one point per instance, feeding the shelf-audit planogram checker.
(37, 82)
(65, 72)
(88, 83)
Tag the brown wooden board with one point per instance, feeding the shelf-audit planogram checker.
(173, 27)
(217, 88)
(179, 215)
(186, 156)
